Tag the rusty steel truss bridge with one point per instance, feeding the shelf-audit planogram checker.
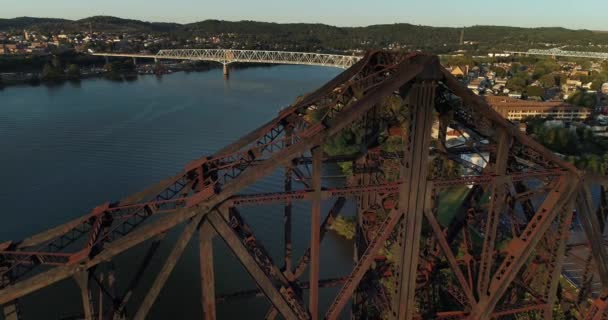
(525, 242)
(228, 56)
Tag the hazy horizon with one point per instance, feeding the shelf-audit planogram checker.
(437, 13)
(305, 22)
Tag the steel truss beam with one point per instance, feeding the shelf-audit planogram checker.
(226, 56)
(206, 235)
(205, 197)
(279, 298)
(413, 197)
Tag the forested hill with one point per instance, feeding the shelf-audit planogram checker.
(440, 39)
(100, 23)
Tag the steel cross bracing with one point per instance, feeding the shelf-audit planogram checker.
(227, 56)
(524, 239)
(556, 52)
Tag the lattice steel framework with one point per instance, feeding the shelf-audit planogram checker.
(556, 52)
(505, 250)
(227, 56)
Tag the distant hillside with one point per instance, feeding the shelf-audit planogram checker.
(100, 23)
(320, 36)
(27, 22)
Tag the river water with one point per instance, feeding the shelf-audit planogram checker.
(65, 149)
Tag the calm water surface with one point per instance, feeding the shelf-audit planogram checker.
(67, 148)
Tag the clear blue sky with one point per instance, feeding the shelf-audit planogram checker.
(577, 14)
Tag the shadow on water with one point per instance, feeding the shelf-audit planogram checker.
(75, 83)
(54, 87)
(131, 77)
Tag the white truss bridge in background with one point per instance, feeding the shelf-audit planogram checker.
(556, 52)
(227, 56)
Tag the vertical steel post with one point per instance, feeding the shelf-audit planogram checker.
(206, 235)
(315, 233)
(82, 279)
(413, 195)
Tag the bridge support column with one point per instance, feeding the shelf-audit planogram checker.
(134, 61)
(107, 59)
(226, 72)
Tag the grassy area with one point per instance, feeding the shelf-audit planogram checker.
(344, 227)
(449, 203)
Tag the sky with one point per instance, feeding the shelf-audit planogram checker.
(574, 14)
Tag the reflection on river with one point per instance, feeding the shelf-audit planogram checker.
(70, 147)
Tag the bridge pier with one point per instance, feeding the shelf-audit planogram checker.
(107, 59)
(226, 71)
(134, 61)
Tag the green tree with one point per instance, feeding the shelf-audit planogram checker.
(515, 68)
(544, 67)
(57, 64)
(548, 80)
(109, 67)
(535, 91)
(583, 98)
(73, 71)
(586, 65)
(500, 72)
(597, 85)
(516, 84)
(50, 73)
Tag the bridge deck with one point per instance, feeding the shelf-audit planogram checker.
(226, 56)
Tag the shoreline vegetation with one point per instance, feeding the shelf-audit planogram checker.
(58, 69)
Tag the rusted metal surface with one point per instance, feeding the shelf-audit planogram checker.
(315, 234)
(206, 235)
(413, 199)
(510, 248)
(82, 279)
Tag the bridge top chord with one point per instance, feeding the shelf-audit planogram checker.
(563, 53)
(226, 56)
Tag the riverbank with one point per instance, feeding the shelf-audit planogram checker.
(8, 79)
